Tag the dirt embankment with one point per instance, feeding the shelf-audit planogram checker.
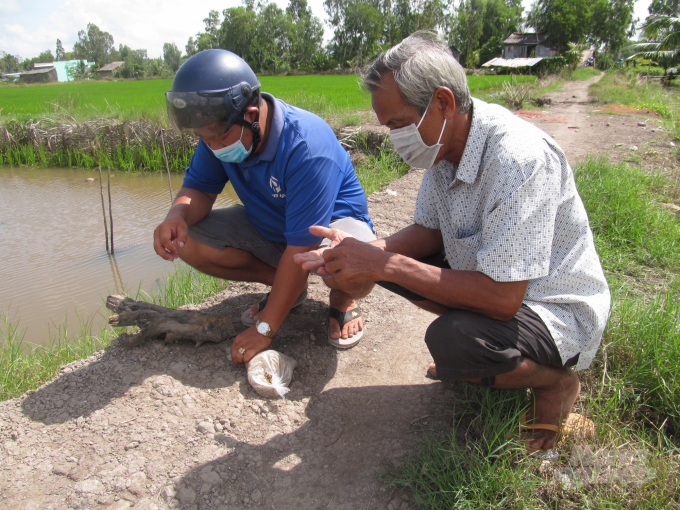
(174, 426)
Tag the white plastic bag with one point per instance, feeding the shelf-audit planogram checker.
(270, 373)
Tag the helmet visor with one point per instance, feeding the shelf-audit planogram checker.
(189, 110)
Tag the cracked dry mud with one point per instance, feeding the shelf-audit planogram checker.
(173, 426)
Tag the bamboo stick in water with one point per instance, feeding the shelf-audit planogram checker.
(108, 169)
(167, 167)
(101, 191)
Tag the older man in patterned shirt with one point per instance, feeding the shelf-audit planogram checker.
(501, 248)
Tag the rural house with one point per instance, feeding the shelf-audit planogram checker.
(108, 70)
(528, 45)
(39, 75)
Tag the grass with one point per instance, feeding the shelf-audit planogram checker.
(625, 88)
(632, 231)
(24, 367)
(80, 124)
(377, 170)
(631, 391)
(125, 157)
(584, 73)
(325, 95)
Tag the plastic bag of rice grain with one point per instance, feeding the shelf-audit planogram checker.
(270, 373)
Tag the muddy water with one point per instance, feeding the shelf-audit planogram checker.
(53, 260)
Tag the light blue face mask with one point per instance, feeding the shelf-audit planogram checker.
(234, 153)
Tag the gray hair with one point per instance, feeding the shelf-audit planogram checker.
(421, 64)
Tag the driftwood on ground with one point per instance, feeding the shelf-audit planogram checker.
(160, 323)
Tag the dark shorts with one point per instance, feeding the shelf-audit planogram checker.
(468, 345)
(230, 226)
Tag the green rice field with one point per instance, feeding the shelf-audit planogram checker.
(325, 95)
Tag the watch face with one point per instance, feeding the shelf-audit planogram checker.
(262, 328)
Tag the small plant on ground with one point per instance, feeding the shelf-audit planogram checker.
(515, 94)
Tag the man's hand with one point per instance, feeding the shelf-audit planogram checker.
(313, 260)
(353, 261)
(169, 236)
(252, 342)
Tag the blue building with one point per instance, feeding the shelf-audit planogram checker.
(62, 66)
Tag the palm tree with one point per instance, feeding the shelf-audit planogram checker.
(664, 45)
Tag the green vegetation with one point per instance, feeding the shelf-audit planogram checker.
(23, 368)
(131, 158)
(625, 88)
(632, 231)
(125, 100)
(325, 95)
(632, 390)
(119, 123)
(584, 73)
(376, 171)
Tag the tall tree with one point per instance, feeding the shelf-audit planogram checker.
(305, 34)
(565, 20)
(172, 56)
(663, 34)
(93, 45)
(611, 23)
(8, 63)
(358, 29)
(467, 29)
(238, 29)
(210, 38)
(191, 47)
(270, 45)
(60, 51)
(665, 7)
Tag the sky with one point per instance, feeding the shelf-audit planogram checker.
(28, 27)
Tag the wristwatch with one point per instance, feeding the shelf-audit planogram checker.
(263, 328)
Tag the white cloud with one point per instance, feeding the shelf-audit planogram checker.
(137, 23)
(9, 6)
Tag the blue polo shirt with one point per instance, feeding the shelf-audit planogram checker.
(303, 177)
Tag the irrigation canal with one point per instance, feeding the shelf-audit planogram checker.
(53, 259)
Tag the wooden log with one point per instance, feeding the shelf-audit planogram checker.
(160, 323)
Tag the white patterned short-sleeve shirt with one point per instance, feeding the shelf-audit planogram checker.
(510, 210)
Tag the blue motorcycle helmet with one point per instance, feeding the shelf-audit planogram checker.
(213, 87)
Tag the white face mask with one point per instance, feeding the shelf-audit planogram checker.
(410, 146)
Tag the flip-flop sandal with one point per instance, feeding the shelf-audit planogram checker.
(248, 321)
(344, 318)
(537, 452)
(574, 424)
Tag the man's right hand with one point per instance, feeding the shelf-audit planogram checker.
(169, 236)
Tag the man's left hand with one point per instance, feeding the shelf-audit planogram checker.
(313, 260)
(253, 343)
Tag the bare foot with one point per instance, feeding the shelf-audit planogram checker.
(432, 371)
(551, 406)
(254, 312)
(342, 301)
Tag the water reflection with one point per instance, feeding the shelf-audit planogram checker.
(53, 260)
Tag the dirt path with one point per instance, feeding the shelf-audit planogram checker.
(584, 129)
(175, 426)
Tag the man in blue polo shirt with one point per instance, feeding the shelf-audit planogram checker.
(290, 173)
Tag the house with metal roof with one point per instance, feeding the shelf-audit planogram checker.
(528, 45)
(108, 70)
(40, 75)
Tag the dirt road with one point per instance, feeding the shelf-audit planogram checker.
(584, 129)
(175, 426)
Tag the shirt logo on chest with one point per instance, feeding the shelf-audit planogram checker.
(276, 188)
